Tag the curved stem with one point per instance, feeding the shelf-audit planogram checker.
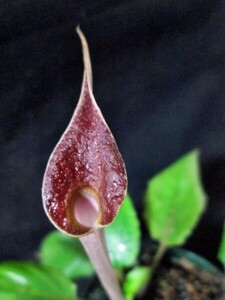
(95, 246)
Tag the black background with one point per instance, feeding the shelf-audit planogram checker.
(159, 79)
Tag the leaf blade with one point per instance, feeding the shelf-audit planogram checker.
(25, 280)
(67, 254)
(123, 236)
(221, 251)
(175, 200)
(135, 280)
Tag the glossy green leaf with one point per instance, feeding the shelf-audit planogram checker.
(175, 201)
(135, 281)
(66, 254)
(28, 281)
(221, 252)
(123, 236)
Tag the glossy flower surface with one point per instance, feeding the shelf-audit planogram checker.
(85, 180)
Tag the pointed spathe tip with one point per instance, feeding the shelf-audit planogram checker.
(86, 56)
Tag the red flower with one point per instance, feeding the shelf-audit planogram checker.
(85, 180)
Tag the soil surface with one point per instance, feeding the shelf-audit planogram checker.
(184, 280)
(176, 279)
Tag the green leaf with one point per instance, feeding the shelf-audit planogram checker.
(123, 236)
(66, 254)
(135, 281)
(221, 252)
(28, 281)
(175, 201)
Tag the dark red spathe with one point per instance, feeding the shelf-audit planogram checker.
(85, 159)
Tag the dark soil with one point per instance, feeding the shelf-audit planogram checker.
(178, 278)
(183, 280)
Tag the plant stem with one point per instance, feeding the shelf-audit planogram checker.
(157, 258)
(95, 246)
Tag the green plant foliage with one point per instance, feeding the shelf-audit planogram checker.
(175, 201)
(221, 252)
(135, 281)
(123, 236)
(28, 281)
(66, 254)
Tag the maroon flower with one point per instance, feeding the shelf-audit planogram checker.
(85, 180)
